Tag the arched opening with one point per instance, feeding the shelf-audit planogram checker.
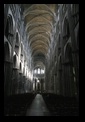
(66, 31)
(21, 52)
(70, 79)
(14, 61)
(20, 66)
(21, 48)
(17, 44)
(20, 79)
(17, 39)
(9, 29)
(75, 13)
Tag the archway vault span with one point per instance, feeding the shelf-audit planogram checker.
(39, 22)
(39, 19)
(41, 48)
(38, 52)
(39, 43)
(38, 7)
(40, 37)
(33, 14)
(40, 29)
(32, 25)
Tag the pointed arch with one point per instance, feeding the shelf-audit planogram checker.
(15, 61)
(66, 30)
(17, 44)
(9, 29)
(39, 7)
(17, 39)
(68, 53)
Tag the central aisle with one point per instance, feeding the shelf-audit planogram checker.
(38, 107)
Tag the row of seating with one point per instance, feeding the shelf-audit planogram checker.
(60, 105)
(16, 105)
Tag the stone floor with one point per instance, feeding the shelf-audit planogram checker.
(45, 104)
(38, 107)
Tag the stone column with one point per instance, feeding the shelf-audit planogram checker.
(62, 49)
(41, 85)
(55, 78)
(7, 77)
(23, 83)
(15, 81)
(35, 84)
(20, 83)
(73, 40)
(60, 82)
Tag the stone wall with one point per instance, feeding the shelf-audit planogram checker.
(62, 69)
(17, 66)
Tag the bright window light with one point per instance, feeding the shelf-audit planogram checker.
(38, 70)
(35, 71)
(14, 53)
(42, 71)
(38, 81)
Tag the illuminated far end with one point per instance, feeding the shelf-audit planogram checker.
(38, 81)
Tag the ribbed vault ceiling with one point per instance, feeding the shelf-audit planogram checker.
(39, 21)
